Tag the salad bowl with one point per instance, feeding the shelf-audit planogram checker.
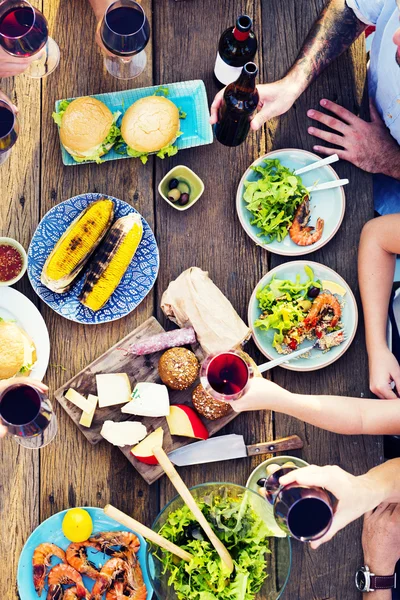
(328, 205)
(316, 359)
(251, 510)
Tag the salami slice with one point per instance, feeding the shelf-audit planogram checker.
(162, 341)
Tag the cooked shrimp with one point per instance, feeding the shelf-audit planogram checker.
(40, 560)
(107, 539)
(322, 303)
(128, 594)
(77, 557)
(138, 590)
(113, 569)
(70, 594)
(116, 592)
(64, 574)
(300, 233)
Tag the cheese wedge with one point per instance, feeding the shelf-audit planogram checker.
(148, 400)
(87, 417)
(122, 434)
(78, 400)
(112, 389)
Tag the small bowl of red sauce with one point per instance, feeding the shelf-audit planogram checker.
(13, 261)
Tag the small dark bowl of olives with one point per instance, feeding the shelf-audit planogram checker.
(181, 187)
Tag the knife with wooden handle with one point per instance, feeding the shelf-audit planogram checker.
(228, 447)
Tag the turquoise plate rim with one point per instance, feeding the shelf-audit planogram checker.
(291, 366)
(97, 514)
(274, 247)
(205, 137)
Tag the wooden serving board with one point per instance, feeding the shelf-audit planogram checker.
(138, 369)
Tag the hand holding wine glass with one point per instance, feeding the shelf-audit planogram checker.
(12, 65)
(9, 127)
(6, 384)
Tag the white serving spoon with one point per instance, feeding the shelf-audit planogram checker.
(319, 163)
(328, 185)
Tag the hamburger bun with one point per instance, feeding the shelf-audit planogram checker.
(17, 350)
(150, 124)
(85, 125)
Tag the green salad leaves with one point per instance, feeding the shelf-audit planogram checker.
(244, 534)
(273, 199)
(281, 303)
(62, 107)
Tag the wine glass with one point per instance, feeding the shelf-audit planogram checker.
(27, 413)
(24, 33)
(125, 32)
(303, 512)
(9, 128)
(226, 375)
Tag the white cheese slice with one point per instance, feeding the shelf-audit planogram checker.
(123, 434)
(87, 417)
(78, 400)
(148, 400)
(112, 389)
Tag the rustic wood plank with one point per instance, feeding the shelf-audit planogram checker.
(209, 234)
(19, 211)
(343, 82)
(73, 472)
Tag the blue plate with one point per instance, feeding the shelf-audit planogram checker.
(50, 531)
(328, 204)
(190, 96)
(317, 359)
(135, 284)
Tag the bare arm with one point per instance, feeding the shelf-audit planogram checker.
(340, 414)
(99, 7)
(333, 32)
(379, 244)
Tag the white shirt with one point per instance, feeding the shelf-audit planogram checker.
(384, 71)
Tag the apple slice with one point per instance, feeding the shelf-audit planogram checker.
(183, 420)
(144, 450)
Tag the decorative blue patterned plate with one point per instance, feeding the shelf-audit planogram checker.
(189, 96)
(50, 531)
(328, 204)
(317, 358)
(135, 284)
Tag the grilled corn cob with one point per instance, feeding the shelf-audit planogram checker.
(75, 246)
(111, 261)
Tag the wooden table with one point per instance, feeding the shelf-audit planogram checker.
(70, 472)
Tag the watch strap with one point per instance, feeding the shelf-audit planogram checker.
(383, 582)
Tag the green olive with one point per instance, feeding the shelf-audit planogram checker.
(272, 468)
(305, 304)
(174, 195)
(183, 187)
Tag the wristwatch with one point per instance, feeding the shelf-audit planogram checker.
(369, 582)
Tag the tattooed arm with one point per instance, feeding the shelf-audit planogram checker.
(334, 31)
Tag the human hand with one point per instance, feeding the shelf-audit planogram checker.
(275, 99)
(13, 65)
(368, 145)
(383, 371)
(262, 394)
(380, 538)
(6, 99)
(355, 495)
(6, 383)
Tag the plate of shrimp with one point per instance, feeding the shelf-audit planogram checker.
(297, 303)
(295, 228)
(110, 565)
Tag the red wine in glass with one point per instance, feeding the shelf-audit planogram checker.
(23, 29)
(125, 30)
(226, 375)
(8, 127)
(27, 413)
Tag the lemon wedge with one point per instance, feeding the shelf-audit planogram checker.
(333, 288)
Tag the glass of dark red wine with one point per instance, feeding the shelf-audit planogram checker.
(24, 33)
(9, 129)
(125, 32)
(28, 415)
(305, 513)
(226, 375)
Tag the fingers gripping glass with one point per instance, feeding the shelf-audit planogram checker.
(226, 375)
(9, 128)
(125, 32)
(24, 33)
(27, 413)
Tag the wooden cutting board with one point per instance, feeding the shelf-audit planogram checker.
(138, 368)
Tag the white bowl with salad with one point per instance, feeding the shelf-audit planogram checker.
(298, 303)
(239, 517)
(270, 201)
